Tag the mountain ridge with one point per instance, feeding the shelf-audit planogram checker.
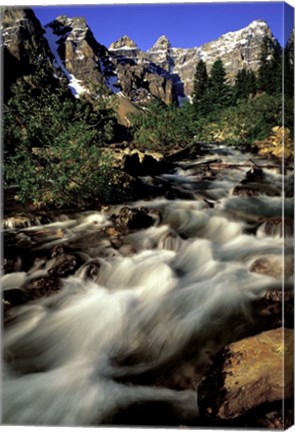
(163, 72)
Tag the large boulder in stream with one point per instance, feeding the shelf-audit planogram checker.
(133, 219)
(138, 164)
(248, 374)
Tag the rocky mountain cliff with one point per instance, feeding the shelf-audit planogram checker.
(23, 44)
(163, 72)
(237, 50)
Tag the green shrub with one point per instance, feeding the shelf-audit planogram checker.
(243, 124)
(161, 128)
(53, 145)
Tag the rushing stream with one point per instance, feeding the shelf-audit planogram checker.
(134, 319)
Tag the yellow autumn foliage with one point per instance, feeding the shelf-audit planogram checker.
(223, 132)
(278, 144)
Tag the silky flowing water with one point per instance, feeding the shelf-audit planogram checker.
(164, 303)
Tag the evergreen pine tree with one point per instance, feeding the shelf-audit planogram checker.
(270, 69)
(219, 91)
(276, 69)
(263, 67)
(245, 84)
(289, 66)
(200, 86)
(251, 83)
(240, 90)
(201, 80)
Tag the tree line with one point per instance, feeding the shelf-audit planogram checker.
(238, 114)
(212, 92)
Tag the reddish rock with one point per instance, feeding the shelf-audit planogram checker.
(249, 373)
(277, 226)
(273, 266)
(63, 265)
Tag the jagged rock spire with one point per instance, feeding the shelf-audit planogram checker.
(162, 43)
(123, 43)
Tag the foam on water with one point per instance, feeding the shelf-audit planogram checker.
(184, 292)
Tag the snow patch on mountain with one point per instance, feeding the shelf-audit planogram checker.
(124, 48)
(74, 84)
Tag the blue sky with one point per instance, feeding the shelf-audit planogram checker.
(186, 25)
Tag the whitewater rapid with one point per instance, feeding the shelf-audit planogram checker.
(165, 301)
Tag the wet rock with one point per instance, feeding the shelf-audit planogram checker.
(57, 251)
(133, 219)
(289, 186)
(42, 287)
(63, 265)
(132, 164)
(11, 264)
(279, 415)
(275, 309)
(112, 232)
(152, 166)
(28, 290)
(136, 165)
(116, 243)
(170, 241)
(126, 188)
(89, 270)
(16, 240)
(127, 250)
(254, 174)
(277, 227)
(245, 191)
(249, 373)
(24, 221)
(273, 266)
(14, 297)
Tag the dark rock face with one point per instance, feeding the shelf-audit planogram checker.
(79, 52)
(161, 54)
(23, 44)
(141, 80)
(23, 35)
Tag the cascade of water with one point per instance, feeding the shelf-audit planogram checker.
(178, 290)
